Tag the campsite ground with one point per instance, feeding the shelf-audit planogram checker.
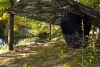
(47, 54)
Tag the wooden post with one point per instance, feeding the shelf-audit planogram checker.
(50, 32)
(11, 26)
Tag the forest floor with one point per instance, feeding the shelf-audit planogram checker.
(54, 53)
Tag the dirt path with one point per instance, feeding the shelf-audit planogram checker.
(58, 55)
(20, 51)
(11, 55)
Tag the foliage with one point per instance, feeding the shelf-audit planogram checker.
(91, 3)
(32, 27)
(3, 15)
(26, 40)
(37, 27)
(4, 5)
(3, 46)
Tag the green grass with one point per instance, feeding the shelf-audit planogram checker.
(60, 54)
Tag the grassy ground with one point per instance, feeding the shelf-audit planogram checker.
(50, 54)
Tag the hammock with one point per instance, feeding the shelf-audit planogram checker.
(71, 36)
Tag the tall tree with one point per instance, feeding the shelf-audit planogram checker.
(11, 26)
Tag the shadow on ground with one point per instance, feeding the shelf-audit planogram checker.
(47, 54)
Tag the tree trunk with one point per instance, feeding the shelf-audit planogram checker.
(10, 26)
(98, 28)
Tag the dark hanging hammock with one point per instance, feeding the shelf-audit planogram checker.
(72, 32)
(71, 36)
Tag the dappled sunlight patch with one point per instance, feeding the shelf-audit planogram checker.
(66, 65)
(5, 60)
(3, 51)
(55, 54)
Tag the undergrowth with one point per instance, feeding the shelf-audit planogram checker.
(59, 54)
